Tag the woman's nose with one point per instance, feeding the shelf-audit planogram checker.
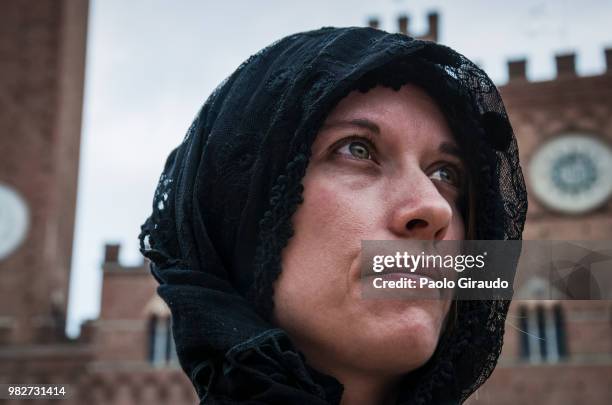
(421, 212)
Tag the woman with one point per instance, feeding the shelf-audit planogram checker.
(318, 141)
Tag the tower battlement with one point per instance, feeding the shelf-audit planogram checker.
(565, 64)
(403, 26)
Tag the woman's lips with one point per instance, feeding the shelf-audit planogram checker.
(400, 285)
(399, 275)
(423, 283)
(433, 273)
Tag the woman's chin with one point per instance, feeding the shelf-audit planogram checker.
(406, 315)
(400, 355)
(401, 337)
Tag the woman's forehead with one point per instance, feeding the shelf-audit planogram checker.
(391, 113)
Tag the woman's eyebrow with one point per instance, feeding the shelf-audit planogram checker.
(450, 149)
(357, 122)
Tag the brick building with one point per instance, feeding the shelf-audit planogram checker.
(127, 354)
(553, 121)
(42, 65)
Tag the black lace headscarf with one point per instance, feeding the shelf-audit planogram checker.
(223, 206)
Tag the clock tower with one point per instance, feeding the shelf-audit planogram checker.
(564, 131)
(42, 54)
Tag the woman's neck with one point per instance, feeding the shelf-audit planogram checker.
(368, 390)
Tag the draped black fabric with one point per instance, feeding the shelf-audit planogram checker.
(222, 212)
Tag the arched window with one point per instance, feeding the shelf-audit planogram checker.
(162, 350)
(542, 337)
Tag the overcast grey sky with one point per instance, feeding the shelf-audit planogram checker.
(152, 63)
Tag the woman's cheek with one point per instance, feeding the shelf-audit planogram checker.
(457, 228)
(339, 207)
(329, 226)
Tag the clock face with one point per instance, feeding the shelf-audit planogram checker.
(572, 173)
(14, 220)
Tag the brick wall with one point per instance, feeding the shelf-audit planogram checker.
(42, 49)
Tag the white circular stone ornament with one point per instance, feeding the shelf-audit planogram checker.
(14, 220)
(572, 173)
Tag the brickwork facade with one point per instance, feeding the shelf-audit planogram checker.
(540, 112)
(42, 47)
(42, 65)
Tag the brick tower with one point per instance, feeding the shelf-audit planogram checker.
(42, 54)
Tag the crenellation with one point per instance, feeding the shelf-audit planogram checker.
(111, 253)
(517, 70)
(402, 24)
(566, 65)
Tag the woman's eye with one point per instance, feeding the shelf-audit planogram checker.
(357, 149)
(448, 175)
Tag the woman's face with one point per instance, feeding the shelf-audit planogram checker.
(384, 166)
